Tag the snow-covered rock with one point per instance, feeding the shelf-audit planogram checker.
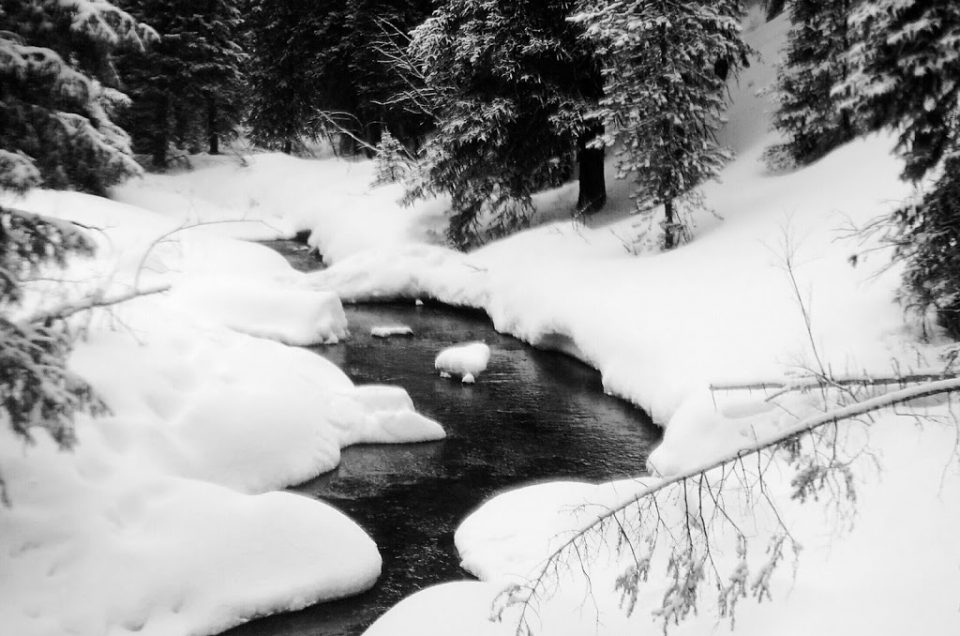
(465, 360)
(387, 331)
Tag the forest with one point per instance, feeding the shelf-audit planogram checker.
(740, 214)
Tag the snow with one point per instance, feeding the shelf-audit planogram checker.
(161, 520)
(386, 331)
(893, 571)
(465, 360)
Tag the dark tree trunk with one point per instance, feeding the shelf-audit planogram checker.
(213, 139)
(288, 146)
(162, 138)
(669, 227)
(593, 184)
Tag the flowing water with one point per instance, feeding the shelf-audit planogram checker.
(533, 415)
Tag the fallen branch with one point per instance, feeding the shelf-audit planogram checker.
(815, 381)
(803, 426)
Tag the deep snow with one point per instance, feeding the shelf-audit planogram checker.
(157, 501)
(160, 520)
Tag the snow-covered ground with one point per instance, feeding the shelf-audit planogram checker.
(161, 521)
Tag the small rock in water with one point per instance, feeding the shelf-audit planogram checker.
(386, 331)
(465, 360)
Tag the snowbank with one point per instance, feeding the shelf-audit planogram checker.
(465, 360)
(97, 542)
(890, 571)
(159, 521)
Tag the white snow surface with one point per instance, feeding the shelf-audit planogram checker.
(660, 327)
(160, 520)
(895, 570)
(466, 360)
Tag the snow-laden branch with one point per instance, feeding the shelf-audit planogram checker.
(696, 473)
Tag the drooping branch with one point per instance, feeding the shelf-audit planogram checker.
(815, 381)
(772, 439)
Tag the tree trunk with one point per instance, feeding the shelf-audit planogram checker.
(288, 146)
(669, 239)
(593, 185)
(213, 139)
(162, 137)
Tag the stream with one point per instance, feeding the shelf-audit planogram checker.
(533, 415)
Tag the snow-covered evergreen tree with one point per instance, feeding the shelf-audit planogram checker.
(667, 64)
(57, 93)
(186, 87)
(810, 112)
(906, 75)
(36, 389)
(512, 85)
(55, 131)
(929, 241)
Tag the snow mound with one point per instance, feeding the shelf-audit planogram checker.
(291, 316)
(158, 521)
(386, 331)
(465, 360)
(98, 542)
(461, 608)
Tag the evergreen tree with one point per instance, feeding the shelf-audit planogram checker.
(187, 87)
(282, 81)
(327, 61)
(512, 84)
(36, 389)
(55, 130)
(57, 93)
(810, 112)
(928, 241)
(906, 76)
(665, 91)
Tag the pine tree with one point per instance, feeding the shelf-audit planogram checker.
(282, 81)
(36, 389)
(810, 112)
(512, 84)
(667, 63)
(187, 87)
(55, 130)
(928, 241)
(57, 93)
(906, 76)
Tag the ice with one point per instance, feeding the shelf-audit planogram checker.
(387, 331)
(465, 360)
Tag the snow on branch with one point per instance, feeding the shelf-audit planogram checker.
(702, 494)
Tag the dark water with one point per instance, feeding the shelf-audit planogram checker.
(533, 415)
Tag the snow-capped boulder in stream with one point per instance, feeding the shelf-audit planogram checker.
(387, 331)
(465, 360)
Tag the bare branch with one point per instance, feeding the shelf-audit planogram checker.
(99, 299)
